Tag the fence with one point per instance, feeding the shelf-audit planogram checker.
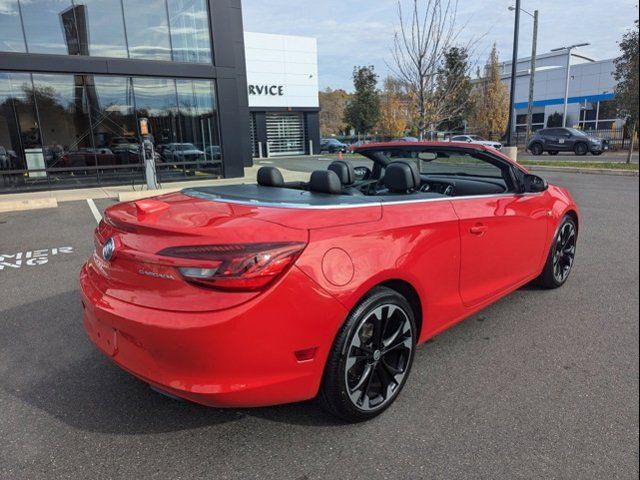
(617, 137)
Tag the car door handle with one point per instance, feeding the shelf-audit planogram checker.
(478, 229)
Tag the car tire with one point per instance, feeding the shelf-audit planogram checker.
(553, 152)
(376, 344)
(580, 149)
(561, 255)
(536, 149)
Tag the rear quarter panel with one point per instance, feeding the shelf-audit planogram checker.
(415, 242)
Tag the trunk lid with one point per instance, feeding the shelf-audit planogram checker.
(137, 274)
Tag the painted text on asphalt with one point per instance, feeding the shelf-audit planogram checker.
(31, 258)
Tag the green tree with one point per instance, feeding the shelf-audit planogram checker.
(363, 110)
(490, 100)
(332, 106)
(453, 88)
(626, 75)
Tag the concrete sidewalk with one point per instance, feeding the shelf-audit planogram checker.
(50, 198)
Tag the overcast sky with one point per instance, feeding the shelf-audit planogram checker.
(351, 32)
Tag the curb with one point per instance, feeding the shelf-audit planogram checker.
(588, 171)
(34, 204)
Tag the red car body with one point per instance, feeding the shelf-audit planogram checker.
(450, 257)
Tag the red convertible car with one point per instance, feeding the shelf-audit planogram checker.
(275, 292)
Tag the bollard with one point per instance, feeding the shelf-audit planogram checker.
(310, 147)
(259, 149)
(339, 154)
(511, 152)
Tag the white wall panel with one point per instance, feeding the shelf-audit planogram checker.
(284, 61)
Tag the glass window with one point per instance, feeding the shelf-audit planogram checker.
(63, 111)
(11, 155)
(147, 29)
(198, 120)
(113, 120)
(23, 130)
(50, 27)
(189, 24)
(608, 110)
(156, 100)
(11, 38)
(101, 28)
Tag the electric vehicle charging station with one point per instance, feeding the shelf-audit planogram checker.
(148, 155)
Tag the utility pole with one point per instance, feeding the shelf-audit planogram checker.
(514, 65)
(532, 75)
(568, 77)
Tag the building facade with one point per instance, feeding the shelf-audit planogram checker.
(76, 77)
(282, 77)
(591, 99)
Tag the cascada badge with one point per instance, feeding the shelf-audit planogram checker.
(31, 258)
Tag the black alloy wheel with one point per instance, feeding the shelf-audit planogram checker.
(371, 357)
(564, 252)
(581, 149)
(562, 255)
(536, 149)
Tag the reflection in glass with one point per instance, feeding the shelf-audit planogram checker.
(83, 129)
(198, 117)
(189, 23)
(64, 119)
(156, 100)
(50, 27)
(147, 29)
(28, 147)
(113, 120)
(100, 22)
(11, 38)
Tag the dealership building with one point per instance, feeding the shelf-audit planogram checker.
(77, 77)
(590, 105)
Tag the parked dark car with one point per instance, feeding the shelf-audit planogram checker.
(554, 140)
(332, 145)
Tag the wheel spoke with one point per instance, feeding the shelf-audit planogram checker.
(364, 379)
(354, 359)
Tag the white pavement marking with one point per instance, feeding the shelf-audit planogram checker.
(94, 210)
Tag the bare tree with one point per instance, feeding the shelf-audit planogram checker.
(420, 44)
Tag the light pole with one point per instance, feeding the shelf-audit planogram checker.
(532, 75)
(514, 65)
(566, 84)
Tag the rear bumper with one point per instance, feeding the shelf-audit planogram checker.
(239, 357)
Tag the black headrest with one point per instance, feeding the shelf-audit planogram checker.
(401, 176)
(325, 181)
(344, 170)
(270, 177)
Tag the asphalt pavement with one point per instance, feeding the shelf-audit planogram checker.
(543, 384)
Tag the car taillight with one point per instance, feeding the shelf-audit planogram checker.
(250, 266)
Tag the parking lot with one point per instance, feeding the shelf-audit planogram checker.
(543, 384)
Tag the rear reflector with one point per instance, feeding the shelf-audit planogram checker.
(251, 266)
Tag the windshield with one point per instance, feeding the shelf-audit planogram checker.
(184, 146)
(449, 163)
(577, 133)
(477, 138)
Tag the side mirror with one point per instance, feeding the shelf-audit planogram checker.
(534, 184)
(469, 140)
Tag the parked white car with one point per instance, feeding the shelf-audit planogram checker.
(477, 140)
